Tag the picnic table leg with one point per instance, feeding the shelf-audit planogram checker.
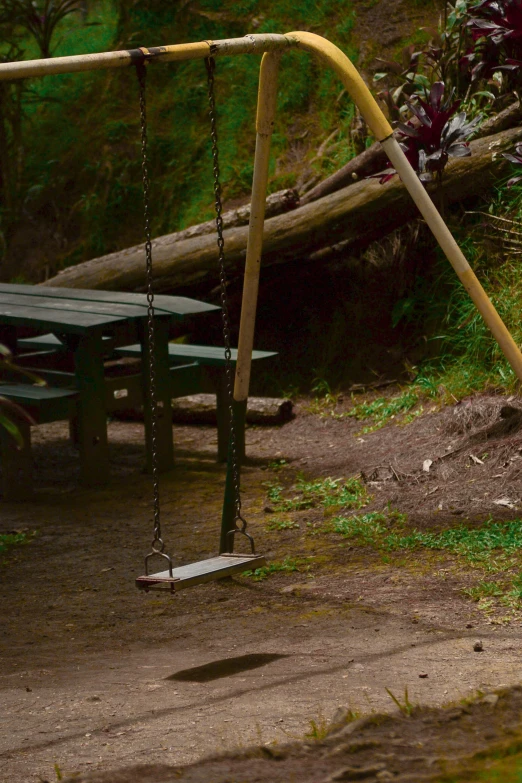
(92, 413)
(218, 380)
(17, 463)
(164, 440)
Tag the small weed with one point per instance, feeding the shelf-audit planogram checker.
(277, 464)
(325, 400)
(318, 729)
(406, 707)
(287, 565)
(58, 772)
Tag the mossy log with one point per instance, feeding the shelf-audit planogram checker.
(357, 215)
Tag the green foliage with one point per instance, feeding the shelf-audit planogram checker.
(492, 548)
(83, 147)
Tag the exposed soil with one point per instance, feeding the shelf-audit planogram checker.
(96, 675)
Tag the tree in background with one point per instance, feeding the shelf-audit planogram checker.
(40, 18)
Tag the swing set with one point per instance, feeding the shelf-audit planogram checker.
(271, 46)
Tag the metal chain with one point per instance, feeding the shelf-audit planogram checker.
(210, 65)
(157, 543)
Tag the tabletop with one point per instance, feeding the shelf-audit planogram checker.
(81, 310)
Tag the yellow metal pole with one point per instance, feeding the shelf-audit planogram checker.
(266, 108)
(332, 56)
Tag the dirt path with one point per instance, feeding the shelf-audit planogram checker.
(96, 675)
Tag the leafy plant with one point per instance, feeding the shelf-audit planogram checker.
(496, 29)
(10, 412)
(318, 729)
(434, 134)
(367, 529)
(516, 158)
(325, 399)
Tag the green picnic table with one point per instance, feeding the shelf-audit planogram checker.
(91, 324)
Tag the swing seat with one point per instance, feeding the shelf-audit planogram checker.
(198, 573)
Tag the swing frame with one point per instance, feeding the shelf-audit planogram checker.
(272, 46)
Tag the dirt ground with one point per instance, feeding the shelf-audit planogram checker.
(97, 676)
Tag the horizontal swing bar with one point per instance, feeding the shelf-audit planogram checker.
(258, 43)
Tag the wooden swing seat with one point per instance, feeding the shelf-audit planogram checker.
(201, 572)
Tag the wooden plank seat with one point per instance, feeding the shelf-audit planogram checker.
(49, 342)
(212, 360)
(212, 378)
(198, 573)
(43, 404)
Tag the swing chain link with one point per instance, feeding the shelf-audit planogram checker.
(158, 545)
(210, 64)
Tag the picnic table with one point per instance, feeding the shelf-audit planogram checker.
(89, 325)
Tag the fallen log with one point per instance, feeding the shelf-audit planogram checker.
(356, 215)
(374, 158)
(276, 204)
(201, 409)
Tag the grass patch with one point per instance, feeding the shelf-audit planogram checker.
(498, 766)
(327, 493)
(384, 409)
(9, 541)
(491, 546)
(378, 412)
(367, 529)
(282, 524)
(286, 566)
(494, 548)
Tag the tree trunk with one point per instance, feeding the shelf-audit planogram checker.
(356, 216)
